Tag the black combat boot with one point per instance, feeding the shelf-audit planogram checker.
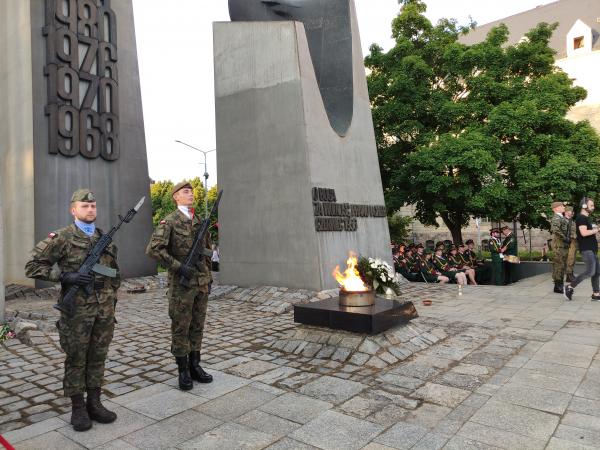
(79, 415)
(185, 380)
(558, 287)
(198, 374)
(96, 409)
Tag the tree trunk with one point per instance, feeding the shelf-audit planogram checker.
(454, 227)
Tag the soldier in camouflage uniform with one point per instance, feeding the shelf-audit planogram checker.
(86, 335)
(572, 250)
(558, 229)
(170, 244)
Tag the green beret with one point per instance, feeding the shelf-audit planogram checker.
(181, 185)
(83, 195)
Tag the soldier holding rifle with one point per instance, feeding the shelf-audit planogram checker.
(189, 281)
(89, 274)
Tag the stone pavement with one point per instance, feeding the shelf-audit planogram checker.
(495, 367)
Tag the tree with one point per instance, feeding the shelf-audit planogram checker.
(399, 227)
(476, 130)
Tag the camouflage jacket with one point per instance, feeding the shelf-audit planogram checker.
(558, 228)
(572, 229)
(68, 248)
(171, 242)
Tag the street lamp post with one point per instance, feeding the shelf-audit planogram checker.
(205, 174)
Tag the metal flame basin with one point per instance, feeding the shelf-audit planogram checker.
(357, 298)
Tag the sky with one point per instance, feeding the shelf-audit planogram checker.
(174, 45)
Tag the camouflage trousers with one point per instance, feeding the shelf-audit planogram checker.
(187, 310)
(558, 263)
(85, 338)
(571, 256)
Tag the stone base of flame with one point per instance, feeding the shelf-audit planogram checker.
(380, 316)
(357, 298)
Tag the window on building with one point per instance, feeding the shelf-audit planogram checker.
(578, 42)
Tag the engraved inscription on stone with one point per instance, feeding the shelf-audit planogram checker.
(81, 70)
(333, 216)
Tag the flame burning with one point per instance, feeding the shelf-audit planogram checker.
(350, 279)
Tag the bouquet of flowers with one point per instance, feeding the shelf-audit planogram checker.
(378, 274)
(5, 333)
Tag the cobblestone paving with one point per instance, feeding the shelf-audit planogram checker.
(495, 367)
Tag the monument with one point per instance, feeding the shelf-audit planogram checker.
(71, 117)
(296, 150)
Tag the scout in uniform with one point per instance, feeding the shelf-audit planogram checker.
(497, 256)
(560, 246)
(86, 334)
(456, 261)
(441, 264)
(509, 248)
(428, 271)
(572, 250)
(170, 244)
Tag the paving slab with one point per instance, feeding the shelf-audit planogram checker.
(50, 441)
(295, 407)
(290, 444)
(578, 435)
(230, 436)
(567, 353)
(402, 436)
(494, 436)
(234, 404)
(172, 431)
(442, 395)
(34, 430)
(335, 431)
(165, 404)
(516, 419)
(268, 423)
(332, 389)
(534, 397)
(223, 383)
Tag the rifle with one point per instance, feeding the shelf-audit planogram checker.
(197, 249)
(67, 304)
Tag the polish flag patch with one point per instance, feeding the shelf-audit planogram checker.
(163, 222)
(52, 235)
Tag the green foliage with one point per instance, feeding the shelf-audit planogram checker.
(399, 227)
(476, 130)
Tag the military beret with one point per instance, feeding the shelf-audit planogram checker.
(83, 195)
(556, 204)
(469, 241)
(568, 209)
(179, 186)
(494, 230)
(428, 252)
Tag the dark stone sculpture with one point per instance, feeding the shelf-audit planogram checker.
(329, 33)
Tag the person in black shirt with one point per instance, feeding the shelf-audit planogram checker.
(588, 247)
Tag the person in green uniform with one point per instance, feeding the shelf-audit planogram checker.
(509, 247)
(572, 250)
(560, 245)
(441, 264)
(170, 244)
(497, 256)
(456, 261)
(482, 270)
(85, 335)
(428, 271)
